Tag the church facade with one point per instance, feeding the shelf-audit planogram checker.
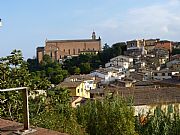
(59, 49)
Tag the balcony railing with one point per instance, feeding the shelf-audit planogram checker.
(24, 90)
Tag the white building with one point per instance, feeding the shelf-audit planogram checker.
(107, 75)
(120, 61)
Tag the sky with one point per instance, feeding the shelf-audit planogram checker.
(27, 24)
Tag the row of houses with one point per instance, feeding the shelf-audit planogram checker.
(147, 64)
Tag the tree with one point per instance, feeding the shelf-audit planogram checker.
(85, 68)
(49, 69)
(54, 112)
(109, 116)
(14, 73)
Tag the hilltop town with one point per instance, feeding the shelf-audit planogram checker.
(141, 63)
(142, 76)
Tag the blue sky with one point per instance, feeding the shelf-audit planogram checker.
(27, 24)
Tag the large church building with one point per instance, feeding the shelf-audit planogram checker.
(59, 49)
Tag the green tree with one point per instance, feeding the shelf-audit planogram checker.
(54, 112)
(109, 116)
(48, 69)
(85, 68)
(14, 73)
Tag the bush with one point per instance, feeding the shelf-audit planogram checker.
(109, 116)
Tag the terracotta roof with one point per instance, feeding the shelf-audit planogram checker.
(81, 77)
(148, 95)
(145, 95)
(10, 127)
(69, 84)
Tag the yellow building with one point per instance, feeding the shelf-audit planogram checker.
(76, 89)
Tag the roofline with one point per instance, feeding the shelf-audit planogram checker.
(78, 40)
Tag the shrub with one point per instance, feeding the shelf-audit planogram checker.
(109, 116)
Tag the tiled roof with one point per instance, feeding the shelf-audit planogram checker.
(145, 95)
(81, 77)
(69, 84)
(149, 95)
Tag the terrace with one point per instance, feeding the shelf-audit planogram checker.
(10, 127)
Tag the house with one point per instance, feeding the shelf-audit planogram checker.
(176, 45)
(135, 52)
(124, 83)
(164, 44)
(76, 89)
(150, 44)
(120, 61)
(107, 75)
(135, 43)
(176, 66)
(171, 63)
(146, 99)
(163, 74)
(79, 85)
(140, 47)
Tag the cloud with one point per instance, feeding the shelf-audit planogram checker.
(152, 21)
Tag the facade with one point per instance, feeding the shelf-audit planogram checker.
(150, 44)
(79, 85)
(120, 61)
(135, 43)
(164, 45)
(176, 66)
(107, 75)
(163, 74)
(59, 49)
(176, 45)
(171, 63)
(76, 89)
(141, 47)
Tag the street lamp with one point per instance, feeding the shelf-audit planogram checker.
(0, 22)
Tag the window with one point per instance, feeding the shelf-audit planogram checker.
(74, 51)
(169, 74)
(51, 54)
(79, 50)
(69, 51)
(155, 74)
(64, 50)
(78, 90)
(163, 74)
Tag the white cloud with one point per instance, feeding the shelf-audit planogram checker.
(153, 21)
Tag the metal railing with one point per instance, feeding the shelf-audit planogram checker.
(24, 91)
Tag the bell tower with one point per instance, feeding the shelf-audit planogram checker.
(93, 35)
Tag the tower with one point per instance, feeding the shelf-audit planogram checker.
(93, 35)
